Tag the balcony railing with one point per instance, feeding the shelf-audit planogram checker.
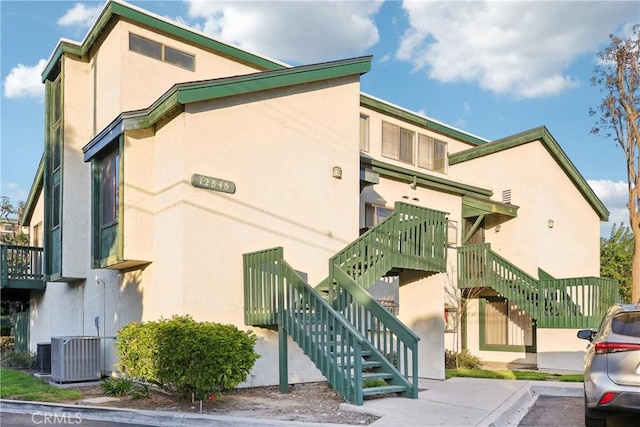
(21, 267)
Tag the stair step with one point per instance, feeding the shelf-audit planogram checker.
(376, 375)
(375, 391)
(369, 364)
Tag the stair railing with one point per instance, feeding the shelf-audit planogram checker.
(555, 303)
(392, 340)
(275, 290)
(410, 237)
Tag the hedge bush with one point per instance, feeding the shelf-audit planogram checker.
(186, 357)
(462, 360)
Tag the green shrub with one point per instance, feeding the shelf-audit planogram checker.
(19, 359)
(462, 360)
(187, 357)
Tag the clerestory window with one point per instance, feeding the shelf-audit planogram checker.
(161, 52)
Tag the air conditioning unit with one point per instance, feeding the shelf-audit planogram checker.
(75, 359)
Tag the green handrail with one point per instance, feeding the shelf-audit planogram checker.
(412, 238)
(325, 336)
(383, 331)
(553, 303)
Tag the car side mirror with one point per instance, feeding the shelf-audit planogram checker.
(586, 334)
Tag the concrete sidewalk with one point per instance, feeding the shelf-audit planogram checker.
(465, 402)
(455, 402)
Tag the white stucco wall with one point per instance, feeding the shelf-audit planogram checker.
(543, 192)
(560, 350)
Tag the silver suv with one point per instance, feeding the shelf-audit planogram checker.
(612, 365)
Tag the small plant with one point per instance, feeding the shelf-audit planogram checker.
(19, 359)
(462, 360)
(118, 387)
(374, 382)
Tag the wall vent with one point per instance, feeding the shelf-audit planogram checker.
(75, 359)
(506, 196)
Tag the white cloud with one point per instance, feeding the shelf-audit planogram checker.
(80, 15)
(300, 31)
(615, 196)
(24, 81)
(516, 48)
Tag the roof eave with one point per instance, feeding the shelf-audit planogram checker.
(543, 135)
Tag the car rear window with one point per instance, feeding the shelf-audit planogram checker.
(626, 324)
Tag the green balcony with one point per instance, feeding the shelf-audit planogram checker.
(21, 267)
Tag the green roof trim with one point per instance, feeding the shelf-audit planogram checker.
(548, 141)
(418, 120)
(472, 207)
(185, 93)
(34, 193)
(424, 180)
(118, 9)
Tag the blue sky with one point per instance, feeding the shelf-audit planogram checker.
(489, 68)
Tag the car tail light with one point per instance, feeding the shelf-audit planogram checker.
(615, 347)
(608, 397)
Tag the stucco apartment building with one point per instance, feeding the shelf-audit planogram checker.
(182, 175)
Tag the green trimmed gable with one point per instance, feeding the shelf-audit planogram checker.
(117, 10)
(542, 135)
(185, 93)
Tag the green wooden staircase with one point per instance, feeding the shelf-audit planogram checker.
(553, 303)
(352, 339)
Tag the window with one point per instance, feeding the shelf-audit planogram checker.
(397, 143)
(56, 126)
(161, 52)
(106, 221)
(432, 154)
(375, 214)
(109, 187)
(364, 132)
(627, 324)
(55, 206)
(505, 325)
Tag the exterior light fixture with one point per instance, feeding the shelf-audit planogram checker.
(550, 223)
(337, 172)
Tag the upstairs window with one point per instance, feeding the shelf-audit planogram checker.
(161, 52)
(401, 144)
(109, 187)
(364, 132)
(397, 143)
(432, 154)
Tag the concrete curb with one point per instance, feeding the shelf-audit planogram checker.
(146, 417)
(502, 415)
(517, 407)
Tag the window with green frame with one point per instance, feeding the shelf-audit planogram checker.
(505, 327)
(106, 206)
